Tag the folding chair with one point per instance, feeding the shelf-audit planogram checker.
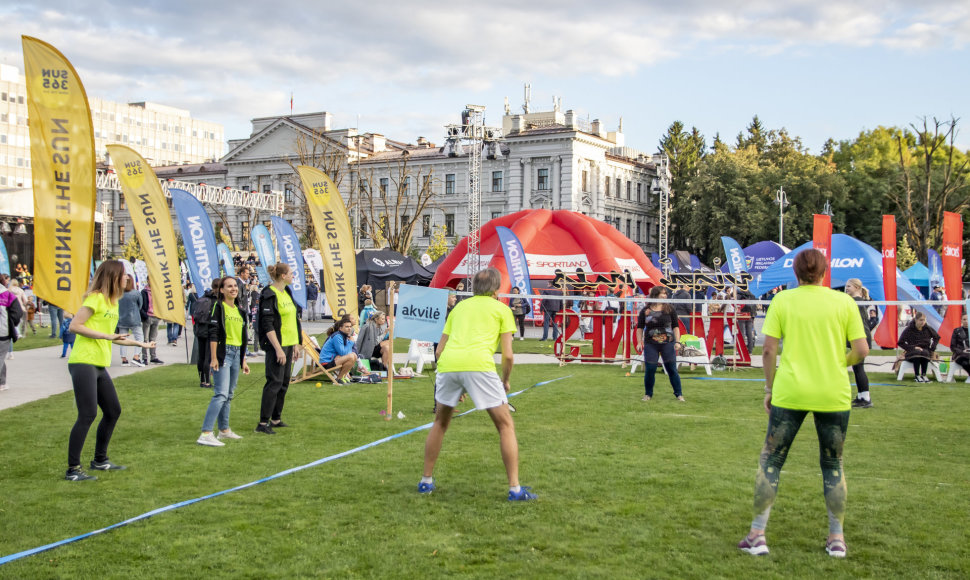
(421, 353)
(951, 372)
(308, 366)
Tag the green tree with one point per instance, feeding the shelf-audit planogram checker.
(132, 249)
(685, 151)
(438, 244)
(905, 256)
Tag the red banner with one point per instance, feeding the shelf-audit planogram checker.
(952, 257)
(822, 241)
(887, 332)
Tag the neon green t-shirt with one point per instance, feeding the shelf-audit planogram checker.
(233, 323)
(287, 310)
(474, 328)
(815, 323)
(96, 351)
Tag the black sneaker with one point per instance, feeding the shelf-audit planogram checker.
(279, 424)
(106, 465)
(860, 403)
(77, 474)
(156, 361)
(266, 429)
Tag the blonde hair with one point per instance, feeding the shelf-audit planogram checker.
(858, 284)
(108, 280)
(278, 270)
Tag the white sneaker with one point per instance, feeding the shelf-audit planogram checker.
(227, 434)
(209, 440)
(521, 338)
(5, 387)
(137, 362)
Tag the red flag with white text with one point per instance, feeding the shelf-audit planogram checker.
(952, 258)
(822, 241)
(887, 333)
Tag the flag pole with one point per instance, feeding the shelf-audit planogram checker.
(390, 371)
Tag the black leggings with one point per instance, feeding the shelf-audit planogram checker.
(783, 425)
(861, 378)
(520, 320)
(920, 365)
(92, 389)
(277, 381)
(204, 359)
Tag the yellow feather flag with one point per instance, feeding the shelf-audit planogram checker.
(330, 220)
(153, 225)
(62, 160)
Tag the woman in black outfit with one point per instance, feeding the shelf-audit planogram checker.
(661, 340)
(960, 346)
(279, 332)
(520, 309)
(855, 289)
(919, 341)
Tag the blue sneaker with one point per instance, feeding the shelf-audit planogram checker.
(426, 488)
(523, 495)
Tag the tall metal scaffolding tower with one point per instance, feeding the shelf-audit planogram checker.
(661, 187)
(475, 136)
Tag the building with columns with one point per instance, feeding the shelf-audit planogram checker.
(544, 159)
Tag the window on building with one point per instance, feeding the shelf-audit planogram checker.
(637, 239)
(383, 183)
(266, 188)
(585, 180)
(449, 183)
(629, 190)
(121, 201)
(449, 224)
(628, 224)
(542, 181)
(426, 183)
(497, 181)
(407, 185)
(3, 96)
(607, 187)
(639, 191)
(121, 234)
(619, 185)
(426, 226)
(363, 185)
(496, 214)
(245, 233)
(288, 193)
(4, 117)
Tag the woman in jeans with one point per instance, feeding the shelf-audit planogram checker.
(661, 341)
(520, 309)
(129, 320)
(95, 325)
(227, 344)
(815, 322)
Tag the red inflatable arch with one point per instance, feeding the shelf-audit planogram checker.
(554, 240)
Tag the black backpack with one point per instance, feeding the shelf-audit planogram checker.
(201, 314)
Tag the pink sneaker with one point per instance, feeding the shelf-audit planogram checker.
(755, 547)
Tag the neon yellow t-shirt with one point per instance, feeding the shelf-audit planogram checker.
(474, 328)
(815, 323)
(96, 351)
(287, 310)
(233, 323)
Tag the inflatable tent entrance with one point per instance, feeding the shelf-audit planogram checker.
(553, 240)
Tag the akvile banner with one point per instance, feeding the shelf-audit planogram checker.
(264, 251)
(148, 209)
(225, 260)
(515, 260)
(421, 312)
(887, 333)
(314, 261)
(736, 260)
(199, 239)
(952, 260)
(62, 159)
(288, 245)
(332, 225)
(822, 241)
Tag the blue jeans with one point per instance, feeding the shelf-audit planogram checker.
(652, 352)
(57, 319)
(224, 385)
(549, 319)
(172, 331)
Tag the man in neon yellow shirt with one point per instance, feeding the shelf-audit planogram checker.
(473, 330)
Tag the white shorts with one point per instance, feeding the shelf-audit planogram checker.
(484, 387)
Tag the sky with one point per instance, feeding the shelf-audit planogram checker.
(405, 69)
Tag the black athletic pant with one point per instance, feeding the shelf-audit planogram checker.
(520, 320)
(92, 389)
(861, 378)
(204, 359)
(920, 365)
(277, 381)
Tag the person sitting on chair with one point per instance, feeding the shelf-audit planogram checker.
(374, 342)
(918, 342)
(960, 345)
(338, 351)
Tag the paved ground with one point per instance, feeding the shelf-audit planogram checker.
(39, 373)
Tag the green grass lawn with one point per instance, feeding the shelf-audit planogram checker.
(39, 340)
(626, 489)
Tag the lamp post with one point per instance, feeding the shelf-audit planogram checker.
(827, 209)
(782, 200)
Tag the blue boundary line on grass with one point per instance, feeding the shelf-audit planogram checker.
(762, 380)
(174, 506)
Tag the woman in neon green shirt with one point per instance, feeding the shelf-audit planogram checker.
(815, 323)
(95, 325)
(279, 332)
